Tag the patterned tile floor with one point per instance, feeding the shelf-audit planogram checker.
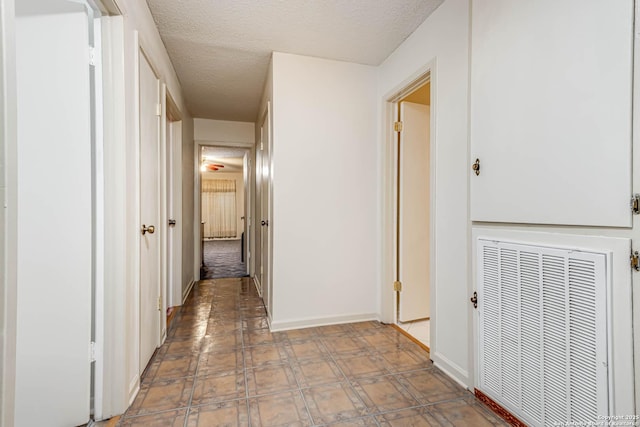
(220, 366)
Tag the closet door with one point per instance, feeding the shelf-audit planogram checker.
(53, 369)
(551, 98)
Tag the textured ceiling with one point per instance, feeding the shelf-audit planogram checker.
(221, 48)
(230, 158)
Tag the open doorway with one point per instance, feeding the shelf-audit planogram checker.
(413, 214)
(223, 195)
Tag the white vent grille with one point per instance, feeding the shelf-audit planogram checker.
(542, 339)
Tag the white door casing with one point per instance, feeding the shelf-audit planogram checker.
(414, 199)
(551, 94)
(149, 212)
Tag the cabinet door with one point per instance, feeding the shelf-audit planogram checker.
(551, 98)
(53, 371)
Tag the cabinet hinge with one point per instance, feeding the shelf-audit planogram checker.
(397, 126)
(474, 300)
(92, 352)
(159, 303)
(634, 260)
(635, 204)
(158, 109)
(92, 56)
(397, 286)
(476, 167)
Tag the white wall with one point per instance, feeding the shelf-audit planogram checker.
(442, 40)
(209, 132)
(325, 197)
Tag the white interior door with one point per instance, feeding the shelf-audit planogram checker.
(414, 212)
(258, 214)
(54, 248)
(170, 209)
(149, 212)
(265, 208)
(551, 93)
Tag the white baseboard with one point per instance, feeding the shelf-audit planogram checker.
(459, 375)
(256, 283)
(134, 388)
(187, 291)
(285, 325)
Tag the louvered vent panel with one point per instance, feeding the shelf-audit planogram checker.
(554, 331)
(510, 315)
(531, 336)
(491, 367)
(542, 318)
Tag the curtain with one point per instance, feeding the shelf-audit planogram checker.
(219, 208)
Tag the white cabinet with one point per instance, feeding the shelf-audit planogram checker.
(551, 98)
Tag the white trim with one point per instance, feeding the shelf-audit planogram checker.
(163, 201)
(216, 143)
(136, 207)
(115, 196)
(285, 325)
(454, 371)
(256, 283)
(98, 211)
(427, 73)
(8, 265)
(197, 196)
(635, 167)
(134, 388)
(187, 291)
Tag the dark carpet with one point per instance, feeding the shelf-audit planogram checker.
(222, 259)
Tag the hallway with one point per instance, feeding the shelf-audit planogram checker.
(221, 366)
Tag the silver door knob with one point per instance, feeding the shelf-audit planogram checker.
(150, 229)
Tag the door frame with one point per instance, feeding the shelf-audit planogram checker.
(172, 135)
(9, 235)
(197, 197)
(389, 158)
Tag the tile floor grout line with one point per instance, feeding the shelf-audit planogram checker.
(349, 382)
(244, 372)
(195, 379)
(304, 399)
(424, 406)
